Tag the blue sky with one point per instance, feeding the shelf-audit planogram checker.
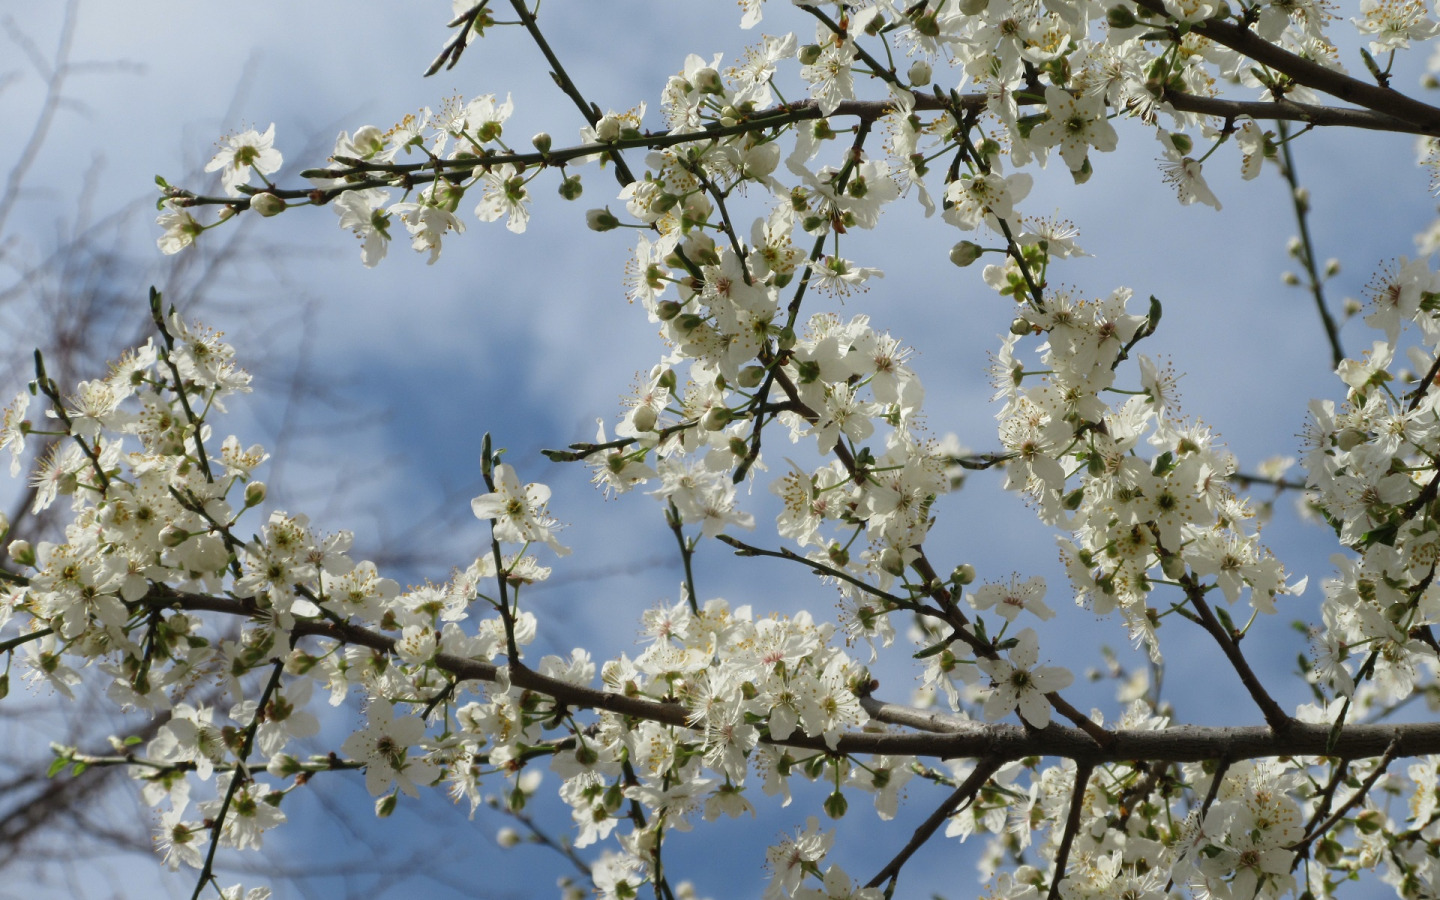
(529, 337)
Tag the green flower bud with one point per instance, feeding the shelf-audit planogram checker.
(919, 73)
(22, 553)
(601, 220)
(1120, 17)
(716, 419)
(267, 204)
(645, 418)
(254, 494)
(707, 81)
(541, 142)
(570, 188)
(809, 54)
(965, 253)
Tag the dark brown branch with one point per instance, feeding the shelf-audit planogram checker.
(941, 736)
(1384, 101)
(1072, 825)
(962, 796)
(1277, 718)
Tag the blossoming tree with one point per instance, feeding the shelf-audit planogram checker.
(747, 203)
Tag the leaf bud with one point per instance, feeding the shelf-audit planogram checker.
(919, 73)
(965, 253)
(601, 220)
(809, 54)
(22, 553)
(267, 204)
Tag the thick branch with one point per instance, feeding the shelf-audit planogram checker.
(1384, 101)
(941, 736)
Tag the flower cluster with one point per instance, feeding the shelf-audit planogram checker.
(734, 186)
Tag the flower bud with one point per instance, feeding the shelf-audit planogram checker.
(964, 574)
(1021, 326)
(385, 805)
(1173, 566)
(645, 418)
(607, 130)
(809, 54)
(601, 220)
(171, 536)
(267, 204)
(22, 553)
(751, 376)
(891, 561)
(1349, 439)
(919, 73)
(254, 494)
(666, 310)
(1290, 279)
(507, 838)
(571, 189)
(973, 7)
(1332, 267)
(541, 142)
(707, 81)
(835, 805)
(1120, 17)
(716, 419)
(965, 253)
